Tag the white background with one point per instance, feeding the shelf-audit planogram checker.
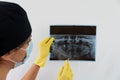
(105, 14)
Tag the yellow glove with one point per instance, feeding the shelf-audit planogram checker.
(43, 48)
(65, 73)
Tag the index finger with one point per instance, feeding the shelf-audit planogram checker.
(50, 41)
(66, 66)
(43, 41)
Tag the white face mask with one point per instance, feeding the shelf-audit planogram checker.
(28, 52)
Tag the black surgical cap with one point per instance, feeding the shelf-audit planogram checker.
(14, 26)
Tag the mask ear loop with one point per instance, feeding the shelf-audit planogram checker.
(23, 49)
(12, 61)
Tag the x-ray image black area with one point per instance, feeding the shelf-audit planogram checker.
(73, 42)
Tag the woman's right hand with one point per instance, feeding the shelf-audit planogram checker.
(43, 50)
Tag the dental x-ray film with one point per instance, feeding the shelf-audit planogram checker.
(73, 42)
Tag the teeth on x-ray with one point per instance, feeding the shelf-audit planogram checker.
(75, 46)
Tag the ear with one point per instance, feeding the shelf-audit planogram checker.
(8, 55)
(5, 57)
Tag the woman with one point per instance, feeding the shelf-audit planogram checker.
(15, 42)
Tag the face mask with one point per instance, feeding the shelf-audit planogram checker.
(28, 51)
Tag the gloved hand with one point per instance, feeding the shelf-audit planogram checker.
(65, 73)
(43, 48)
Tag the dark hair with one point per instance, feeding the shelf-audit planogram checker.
(14, 26)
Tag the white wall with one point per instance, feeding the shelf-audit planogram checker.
(105, 14)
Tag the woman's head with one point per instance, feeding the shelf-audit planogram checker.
(15, 28)
(19, 53)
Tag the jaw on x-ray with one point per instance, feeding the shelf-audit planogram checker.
(73, 42)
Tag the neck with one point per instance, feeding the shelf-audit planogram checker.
(6, 63)
(5, 67)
